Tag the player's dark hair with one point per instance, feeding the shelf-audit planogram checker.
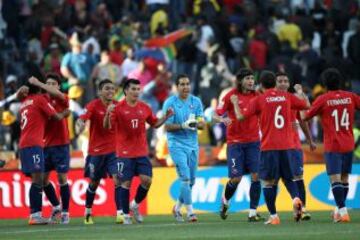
(103, 82)
(33, 89)
(180, 76)
(267, 79)
(291, 83)
(53, 76)
(131, 81)
(280, 74)
(331, 78)
(242, 73)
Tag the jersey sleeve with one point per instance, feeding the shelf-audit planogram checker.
(297, 103)
(46, 107)
(87, 112)
(315, 109)
(166, 106)
(356, 99)
(66, 60)
(151, 118)
(223, 106)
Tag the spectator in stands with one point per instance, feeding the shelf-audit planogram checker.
(77, 67)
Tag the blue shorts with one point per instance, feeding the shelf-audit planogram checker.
(275, 164)
(57, 158)
(186, 163)
(297, 162)
(338, 163)
(97, 167)
(130, 167)
(243, 158)
(32, 160)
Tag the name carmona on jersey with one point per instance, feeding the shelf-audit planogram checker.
(276, 99)
(336, 102)
(27, 103)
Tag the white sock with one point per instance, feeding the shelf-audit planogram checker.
(273, 215)
(189, 209)
(119, 212)
(87, 211)
(343, 211)
(225, 201)
(252, 212)
(58, 207)
(178, 206)
(134, 204)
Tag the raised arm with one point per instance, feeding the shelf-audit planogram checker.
(235, 101)
(49, 89)
(107, 118)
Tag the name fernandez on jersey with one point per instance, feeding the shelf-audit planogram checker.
(336, 102)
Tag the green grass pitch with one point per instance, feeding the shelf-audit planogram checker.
(210, 226)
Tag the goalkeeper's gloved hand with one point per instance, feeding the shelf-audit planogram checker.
(190, 124)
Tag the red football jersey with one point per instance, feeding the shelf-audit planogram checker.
(239, 131)
(336, 109)
(101, 141)
(131, 130)
(295, 117)
(35, 111)
(57, 132)
(274, 111)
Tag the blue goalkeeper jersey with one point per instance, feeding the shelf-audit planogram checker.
(182, 111)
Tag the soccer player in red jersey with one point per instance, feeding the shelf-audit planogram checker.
(101, 160)
(35, 110)
(297, 161)
(243, 143)
(56, 151)
(337, 109)
(129, 118)
(273, 108)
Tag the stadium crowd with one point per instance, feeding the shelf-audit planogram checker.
(87, 41)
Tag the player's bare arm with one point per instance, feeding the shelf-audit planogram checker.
(79, 126)
(300, 94)
(53, 91)
(162, 120)
(218, 119)
(61, 115)
(305, 127)
(22, 92)
(107, 122)
(235, 101)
